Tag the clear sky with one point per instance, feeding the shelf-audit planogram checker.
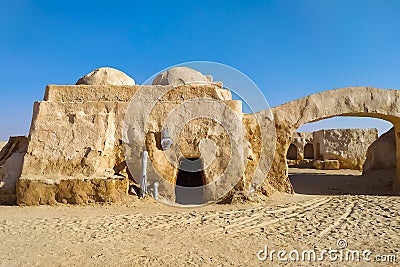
(289, 48)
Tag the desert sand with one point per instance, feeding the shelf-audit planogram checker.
(327, 206)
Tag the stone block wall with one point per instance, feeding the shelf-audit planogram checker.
(76, 143)
(348, 146)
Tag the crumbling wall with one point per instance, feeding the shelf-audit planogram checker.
(11, 161)
(381, 153)
(75, 138)
(204, 123)
(300, 140)
(300, 154)
(76, 141)
(348, 146)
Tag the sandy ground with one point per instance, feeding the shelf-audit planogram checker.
(152, 234)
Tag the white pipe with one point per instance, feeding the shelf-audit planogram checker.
(143, 183)
(156, 184)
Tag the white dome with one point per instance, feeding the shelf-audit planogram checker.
(180, 76)
(106, 76)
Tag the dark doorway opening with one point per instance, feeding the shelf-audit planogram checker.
(190, 180)
(309, 151)
(292, 152)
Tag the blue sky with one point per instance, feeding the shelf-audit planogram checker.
(289, 48)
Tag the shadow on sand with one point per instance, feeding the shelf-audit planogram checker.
(342, 182)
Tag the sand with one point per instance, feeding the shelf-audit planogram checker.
(152, 234)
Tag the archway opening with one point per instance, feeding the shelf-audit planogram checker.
(309, 151)
(341, 148)
(292, 152)
(190, 180)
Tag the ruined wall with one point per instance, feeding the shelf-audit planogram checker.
(301, 150)
(348, 146)
(203, 138)
(261, 143)
(74, 135)
(381, 153)
(11, 161)
(75, 150)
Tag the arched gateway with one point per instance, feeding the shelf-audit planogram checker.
(351, 101)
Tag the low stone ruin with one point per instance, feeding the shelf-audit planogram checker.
(301, 149)
(331, 149)
(347, 146)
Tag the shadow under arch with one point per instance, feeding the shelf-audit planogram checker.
(351, 102)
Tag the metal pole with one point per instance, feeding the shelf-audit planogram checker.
(156, 184)
(143, 183)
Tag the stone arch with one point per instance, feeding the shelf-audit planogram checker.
(309, 151)
(292, 152)
(351, 101)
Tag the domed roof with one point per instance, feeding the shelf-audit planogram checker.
(106, 76)
(180, 76)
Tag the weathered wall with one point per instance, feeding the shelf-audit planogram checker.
(348, 146)
(261, 141)
(300, 140)
(74, 135)
(381, 153)
(11, 161)
(222, 147)
(76, 139)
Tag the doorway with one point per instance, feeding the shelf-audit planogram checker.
(292, 152)
(190, 180)
(309, 151)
